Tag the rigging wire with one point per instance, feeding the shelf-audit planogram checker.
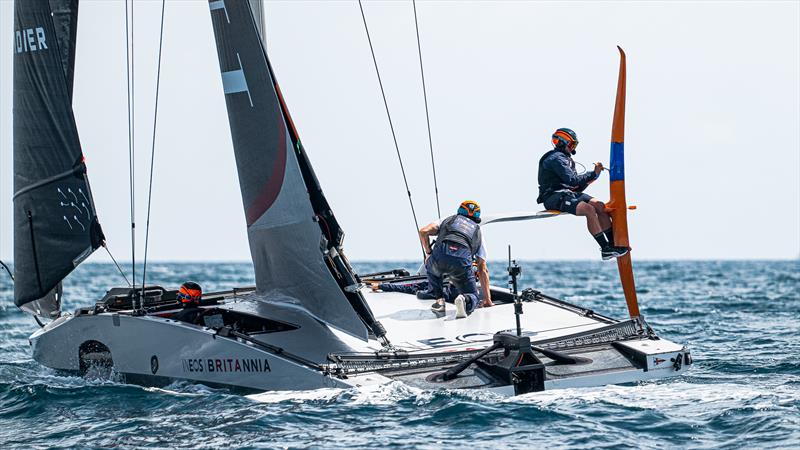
(131, 155)
(391, 126)
(118, 267)
(7, 270)
(427, 115)
(153, 147)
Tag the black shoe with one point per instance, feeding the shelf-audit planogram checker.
(438, 307)
(613, 252)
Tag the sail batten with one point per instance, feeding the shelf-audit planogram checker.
(55, 223)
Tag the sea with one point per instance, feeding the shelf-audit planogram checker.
(741, 320)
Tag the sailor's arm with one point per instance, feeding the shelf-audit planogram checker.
(567, 175)
(483, 277)
(426, 231)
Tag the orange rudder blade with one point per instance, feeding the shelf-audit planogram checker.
(617, 204)
(625, 266)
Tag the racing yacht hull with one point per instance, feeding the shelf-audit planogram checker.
(261, 346)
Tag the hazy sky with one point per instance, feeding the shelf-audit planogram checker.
(712, 143)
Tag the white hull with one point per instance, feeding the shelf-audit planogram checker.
(153, 349)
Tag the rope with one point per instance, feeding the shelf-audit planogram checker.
(584, 168)
(391, 126)
(115, 263)
(427, 115)
(7, 270)
(153, 146)
(131, 159)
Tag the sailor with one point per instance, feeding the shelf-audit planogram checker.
(189, 296)
(458, 241)
(420, 288)
(561, 189)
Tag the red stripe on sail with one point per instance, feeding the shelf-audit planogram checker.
(272, 188)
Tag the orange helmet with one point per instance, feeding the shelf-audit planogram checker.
(189, 292)
(565, 137)
(471, 209)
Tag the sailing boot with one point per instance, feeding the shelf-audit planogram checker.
(461, 307)
(438, 306)
(611, 251)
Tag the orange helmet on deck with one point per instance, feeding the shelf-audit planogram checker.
(189, 292)
(471, 209)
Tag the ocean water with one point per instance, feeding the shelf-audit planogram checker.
(740, 319)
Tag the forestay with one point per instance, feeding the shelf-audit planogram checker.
(55, 224)
(294, 238)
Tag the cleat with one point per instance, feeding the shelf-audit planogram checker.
(613, 252)
(461, 307)
(438, 306)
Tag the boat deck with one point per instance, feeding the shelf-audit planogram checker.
(411, 324)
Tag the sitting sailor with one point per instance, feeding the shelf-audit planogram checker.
(189, 296)
(561, 188)
(458, 241)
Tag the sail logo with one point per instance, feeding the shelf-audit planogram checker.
(30, 40)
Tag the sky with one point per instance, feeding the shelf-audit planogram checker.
(712, 135)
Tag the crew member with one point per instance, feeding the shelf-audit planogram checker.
(561, 188)
(189, 296)
(458, 241)
(420, 288)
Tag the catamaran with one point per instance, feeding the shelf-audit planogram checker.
(310, 321)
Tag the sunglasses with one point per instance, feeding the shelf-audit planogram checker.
(183, 297)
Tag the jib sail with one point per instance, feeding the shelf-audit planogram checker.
(294, 238)
(55, 225)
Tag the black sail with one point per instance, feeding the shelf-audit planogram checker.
(294, 238)
(55, 225)
(65, 23)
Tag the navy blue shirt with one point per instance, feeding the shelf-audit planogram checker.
(557, 172)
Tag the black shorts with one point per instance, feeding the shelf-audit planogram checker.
(566, 201)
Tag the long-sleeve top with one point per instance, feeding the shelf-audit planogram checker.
(557, 172)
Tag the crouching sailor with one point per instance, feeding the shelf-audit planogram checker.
(561, 189)
(458, 240)
(422, 289)
(189, 296)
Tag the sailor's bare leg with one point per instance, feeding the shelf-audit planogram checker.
(592, 219)
(602, 216)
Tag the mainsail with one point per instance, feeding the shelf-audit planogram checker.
(295, 240)
(65, 22)
(55, 225)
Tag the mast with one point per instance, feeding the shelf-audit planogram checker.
(295, 240)
(617, 204)
(55, 223)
